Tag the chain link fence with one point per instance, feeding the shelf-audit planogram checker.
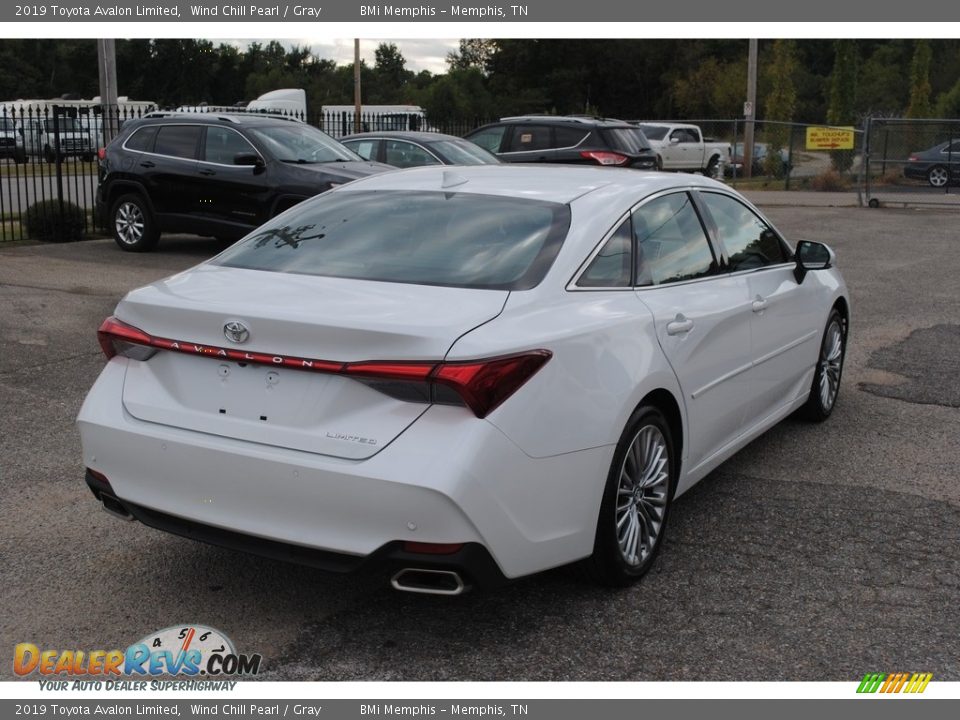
(911, 162)
(787, 156)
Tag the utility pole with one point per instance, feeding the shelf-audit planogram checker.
(107, 63)
(356, 85)
(750, 109)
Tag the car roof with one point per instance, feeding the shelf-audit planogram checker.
(554, 183)
(565, 120)
(424, 137)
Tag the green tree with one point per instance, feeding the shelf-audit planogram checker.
(843, 94)
(920, 91)
(781, 102)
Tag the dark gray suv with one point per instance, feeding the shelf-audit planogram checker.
(566, 139)
(220, 175)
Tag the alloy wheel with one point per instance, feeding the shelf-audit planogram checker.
(642, 494)
(938, 176)
(831, 362)
(129, 223)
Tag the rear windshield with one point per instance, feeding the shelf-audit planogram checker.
(421, 237)
(631, 140)
(654, 132)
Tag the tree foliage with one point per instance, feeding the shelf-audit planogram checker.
(920, 89)
(834, 81)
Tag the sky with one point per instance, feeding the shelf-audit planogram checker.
(423, 54)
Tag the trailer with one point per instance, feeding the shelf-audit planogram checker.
(338, 120)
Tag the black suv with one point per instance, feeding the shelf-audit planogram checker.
(566, 139)
(218, 175)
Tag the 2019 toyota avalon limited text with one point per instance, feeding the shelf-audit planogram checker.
(463, 375)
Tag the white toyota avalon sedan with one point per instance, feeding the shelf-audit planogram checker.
(463, 375)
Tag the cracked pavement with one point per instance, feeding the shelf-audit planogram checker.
(819, 552)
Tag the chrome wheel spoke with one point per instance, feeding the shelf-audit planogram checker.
(642, 494)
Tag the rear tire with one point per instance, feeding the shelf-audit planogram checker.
(131, 221)
(636, 501)
(826, 379)
(938, 176)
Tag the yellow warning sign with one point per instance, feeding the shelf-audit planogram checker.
(829, 138)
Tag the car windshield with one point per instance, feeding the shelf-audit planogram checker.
(422, 237)
(627, 139)
(299, 143)
(654, 132)
(462, 152)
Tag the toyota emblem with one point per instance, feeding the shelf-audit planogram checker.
(235, 331)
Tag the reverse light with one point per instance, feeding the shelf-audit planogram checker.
(603, 157)
(482, 385)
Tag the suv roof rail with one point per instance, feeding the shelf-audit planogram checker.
(225, 116)
(563, 118)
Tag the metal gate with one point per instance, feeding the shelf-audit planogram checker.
(909, 162)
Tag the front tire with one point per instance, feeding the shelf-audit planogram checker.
(938, 176)
(636, 501)
(826, 378)
(134, 229)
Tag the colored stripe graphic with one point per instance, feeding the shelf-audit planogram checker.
(894, 683)
(871, 682)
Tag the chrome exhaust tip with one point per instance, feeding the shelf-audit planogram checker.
(113, 506)
(429, 582)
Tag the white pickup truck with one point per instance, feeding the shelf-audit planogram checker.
(682, 147)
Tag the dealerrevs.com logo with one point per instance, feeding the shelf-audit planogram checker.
(191, 650)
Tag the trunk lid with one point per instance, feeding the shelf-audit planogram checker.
(298, 316)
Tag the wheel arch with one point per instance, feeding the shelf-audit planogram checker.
(124, 187)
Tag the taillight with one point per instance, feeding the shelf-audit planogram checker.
(482, 385)
(118, 338)
(431, 548)
(102, 153)
(914, 158)
(604, 158)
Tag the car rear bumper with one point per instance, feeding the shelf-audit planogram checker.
(448, 479)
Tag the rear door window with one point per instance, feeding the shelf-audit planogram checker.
(403, 154)
(178, 141)
(142, 139)
(530, 137)
(367, 149)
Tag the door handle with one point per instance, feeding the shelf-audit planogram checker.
(759, 304)
(679, 325)
(207, 171)
(148, 164)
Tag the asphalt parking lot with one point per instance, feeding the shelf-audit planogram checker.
(820, 552)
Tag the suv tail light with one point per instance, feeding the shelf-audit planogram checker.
(604, 157)
(102, 153)
(481, 385)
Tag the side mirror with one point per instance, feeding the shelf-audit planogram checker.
(251, 159)
(674, 140)
(811, 256)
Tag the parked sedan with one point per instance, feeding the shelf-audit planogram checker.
(414, 149)
(466, 377)
(939, 165)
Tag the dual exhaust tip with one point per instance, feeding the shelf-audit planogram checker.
(413, 580)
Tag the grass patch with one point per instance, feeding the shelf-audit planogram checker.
(39, 169)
